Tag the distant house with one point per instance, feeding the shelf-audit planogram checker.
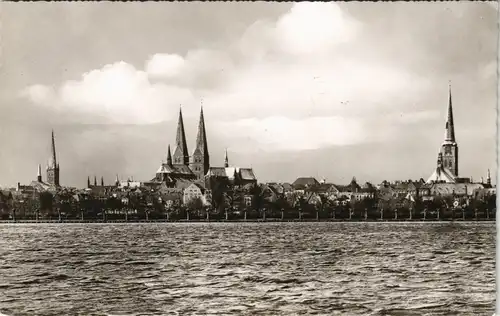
(303, 183)
(353, 191)
(194, 191)
(234, 176)
(407, 188)
(455, 189)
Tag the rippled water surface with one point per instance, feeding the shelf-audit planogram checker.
(247, 269)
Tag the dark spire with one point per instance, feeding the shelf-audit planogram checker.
(201, 139)
(226, 160)
(181, 154)
(117, 181)
(102, 181)
(169, 156)
(95, 181)
(450, 127)
(53, 160)
(488, 177)
(39, 175)
(88, 182)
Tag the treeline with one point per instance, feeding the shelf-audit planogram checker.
(255, 202)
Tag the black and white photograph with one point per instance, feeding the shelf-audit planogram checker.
(248, 158)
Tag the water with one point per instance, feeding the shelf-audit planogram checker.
(247, 269)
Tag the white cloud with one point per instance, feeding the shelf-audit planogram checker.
(313, 28)
(272, 85)
(118, 92)
(165, 65)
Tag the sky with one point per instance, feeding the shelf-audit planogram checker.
(329, 90)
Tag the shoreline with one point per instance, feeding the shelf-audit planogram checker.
(270, 220)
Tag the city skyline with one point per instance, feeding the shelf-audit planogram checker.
(253, 81)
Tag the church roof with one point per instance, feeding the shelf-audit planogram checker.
(41, 186)
(247, 174)
(216, 172)
(232, 172)
(174, 169)
(441, 174)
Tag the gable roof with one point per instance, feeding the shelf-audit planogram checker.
(305, 181)
(175, 169)
(441, 174)
(232, 173)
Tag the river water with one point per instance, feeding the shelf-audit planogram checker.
(247, 269)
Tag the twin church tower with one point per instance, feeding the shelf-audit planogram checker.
(200, 160)
(181, 165)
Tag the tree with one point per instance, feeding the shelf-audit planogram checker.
(195, 204)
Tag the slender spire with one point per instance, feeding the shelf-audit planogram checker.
(181, 154)
(226, 160)
(488, 177)
(102, 181)
(39, 175)
(201, 138)
(54, 150)
(95, 181)
(449, 127)
(169, 156)
(117, 181)
(88, 181)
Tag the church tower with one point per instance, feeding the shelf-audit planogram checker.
(53, 166)
(39, 175)
(181, 154)
(226, 160)
(449, 148)
(200, 161)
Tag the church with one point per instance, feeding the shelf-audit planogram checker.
(182, 167)
(52, 183)
(446, 170)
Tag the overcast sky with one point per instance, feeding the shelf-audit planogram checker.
(330, 90)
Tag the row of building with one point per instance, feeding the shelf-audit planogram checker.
(190, 175)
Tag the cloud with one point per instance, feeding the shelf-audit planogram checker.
(280, 133)
(313, 28)
(117, 92)
(165, 65)
(39, 94)
(299, 82)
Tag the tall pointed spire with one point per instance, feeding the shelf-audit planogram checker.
(169, 156)
(181, 154)
(449, 127)
(226, 160)
(117, 181)
(88, 181)
(488, 177)
(95, 181)
(39, 175)
(102, 181)
(201, 138)
(53, 166)
(53, 160)
(200, 160)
